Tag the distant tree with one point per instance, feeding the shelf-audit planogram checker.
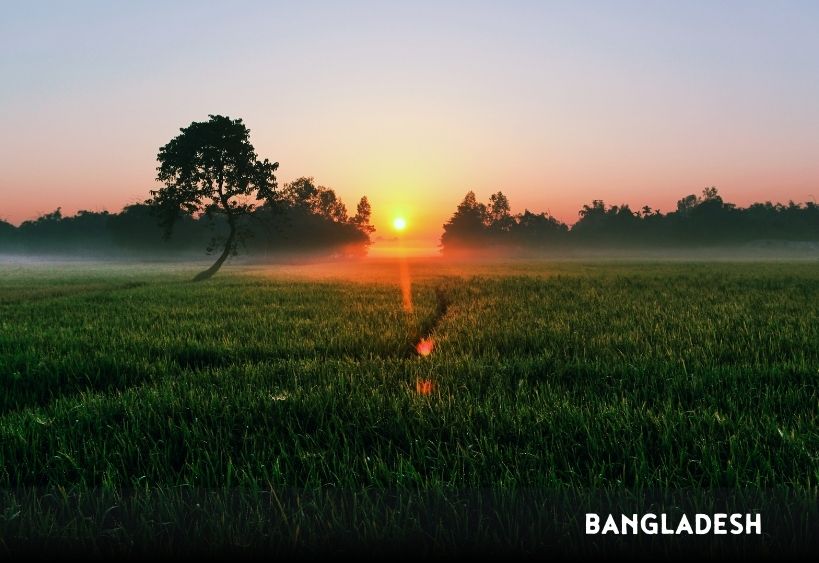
(467, 226)
(53, 217)
(710, 193)
(592, 220)
(134, 230)
(8, 234)
(211, 168)
(302, 193)
(299, 193)
(38, 233)
(499, 213)
(597, 208)
(362, 216)
(313, 218)
(686, 204)
(537, 229)
(327, 204)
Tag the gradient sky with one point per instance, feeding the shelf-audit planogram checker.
(414, 103)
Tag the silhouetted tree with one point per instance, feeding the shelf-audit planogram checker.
(211, 168)
(686, 204)
(592, 219)
(704, 220)
(301, 192)
(6, 228)
(328, 205)
(314, 218)
(46, 228)
(710, 193)
(8, 235)
(134, 230)
(362, 216)
(468, 225)
(499, 213)
(537, 230)
(303, 217)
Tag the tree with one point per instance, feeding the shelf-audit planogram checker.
(302, 193)
(686, 204)
(530, 229)
(6, 227)
(211, 168)
(299, 193)
(362, 216)
(8, 234)
(329, 206)
(499, 213)
(710, 193)
(597, 208)
(467, 226)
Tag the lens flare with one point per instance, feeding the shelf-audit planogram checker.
(406, 284)
(424, 386)
(424, 347)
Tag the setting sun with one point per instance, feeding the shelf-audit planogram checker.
(399, 224)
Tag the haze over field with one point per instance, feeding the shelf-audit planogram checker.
(429, 279)
(556, 104)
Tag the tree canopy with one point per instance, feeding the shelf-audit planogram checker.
(212, 168)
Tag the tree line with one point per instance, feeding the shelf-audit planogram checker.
(704, 220)
(303, 218)
(216, 194)
(219, 195)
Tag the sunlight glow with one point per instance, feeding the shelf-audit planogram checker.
(399, 224)
(406, 284)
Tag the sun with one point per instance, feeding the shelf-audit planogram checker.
(399, 223)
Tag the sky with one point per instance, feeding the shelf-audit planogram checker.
(415, 103)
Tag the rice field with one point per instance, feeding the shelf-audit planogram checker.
(291, 409)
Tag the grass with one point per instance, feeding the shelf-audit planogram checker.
(278, 409)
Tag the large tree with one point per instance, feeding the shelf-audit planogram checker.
(211, 168)
(468, 225)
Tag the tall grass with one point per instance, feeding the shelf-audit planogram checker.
(133, 400)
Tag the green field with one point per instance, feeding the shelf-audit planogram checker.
(285, 408)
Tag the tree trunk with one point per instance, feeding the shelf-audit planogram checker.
(201, 276)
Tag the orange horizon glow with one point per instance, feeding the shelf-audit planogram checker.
(427, 220)
(390, 249)
(569, 103)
